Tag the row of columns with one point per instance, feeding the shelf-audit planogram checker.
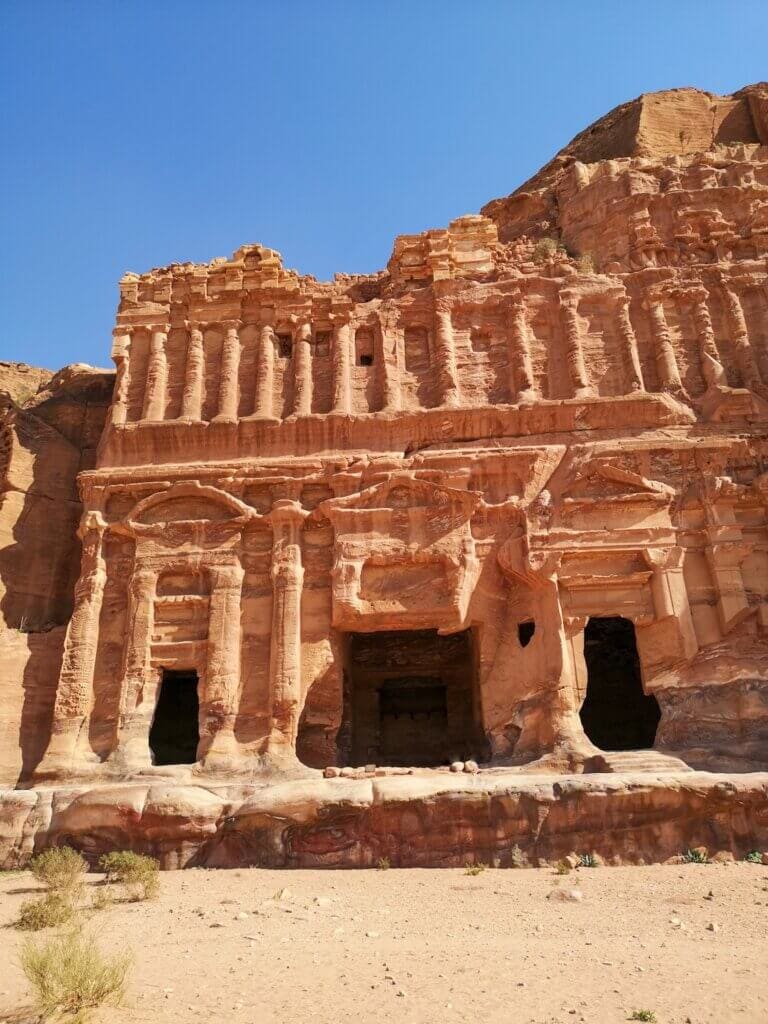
(228, 398)
(69, 750)
(712, 368)
(522, 383)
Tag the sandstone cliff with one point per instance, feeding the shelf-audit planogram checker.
(668, 124)
(50, 426)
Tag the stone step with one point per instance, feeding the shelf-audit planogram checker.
(642, 761)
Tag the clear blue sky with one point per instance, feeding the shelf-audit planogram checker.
(134, 134)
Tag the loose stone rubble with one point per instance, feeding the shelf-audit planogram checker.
(492, 515)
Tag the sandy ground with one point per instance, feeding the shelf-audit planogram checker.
(432, 946)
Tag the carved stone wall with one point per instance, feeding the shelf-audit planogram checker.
(495, 437)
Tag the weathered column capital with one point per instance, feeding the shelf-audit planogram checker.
(91, 521)
(286, 512)
(664, 558)
(143, 579)
(226, 575)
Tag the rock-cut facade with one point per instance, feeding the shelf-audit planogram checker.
(492, 519)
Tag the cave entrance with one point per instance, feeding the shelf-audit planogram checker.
(410, 699)
(175, 731)
(617, 714)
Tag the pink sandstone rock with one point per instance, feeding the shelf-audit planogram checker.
(501, 505)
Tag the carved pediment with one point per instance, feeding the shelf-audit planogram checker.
(188, 504)
(401, 491)
(607, 482)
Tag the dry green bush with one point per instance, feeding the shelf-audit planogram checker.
(140, 875)
(54, 909)
(588, 860)
(383, 863)
(517, 858)
(70, 976)
(475, 869)
(696, 855)
(585, 263)
(545, 249)
(62, 869)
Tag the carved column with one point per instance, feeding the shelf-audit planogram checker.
(302, 387)
(136, 707)
(222, 677)
(445, 354)
(725, 549)
(745, 357)
(229, 374)
(629, 341)
(287, 575)
(385, 353)
(670, 596)
(194, 375)
(522, 388)
(121, 354)
(724, 560)
(265, 373)
(548, 716)
(666, 363)
(574, 355)
(711, 367)
(157, 376)
(69, 748)
(342, 364)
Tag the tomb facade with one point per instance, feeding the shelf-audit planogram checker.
(491, 518)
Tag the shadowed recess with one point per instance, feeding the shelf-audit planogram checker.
(617, 714)
(175, 733)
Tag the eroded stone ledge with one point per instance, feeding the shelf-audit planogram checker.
(424, 820)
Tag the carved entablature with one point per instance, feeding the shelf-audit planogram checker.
(422, 569)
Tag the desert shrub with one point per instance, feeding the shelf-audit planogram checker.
(103, 897)
(587, 860)
(54, 909)
(545, 249)
(516, 857)
(139, 874)
(474, 869)
(562, 868)
(383, 863)
(696, 855)
(70, 976)
(585, 263)
(645, 1015)
(61, 869)
(754, 857)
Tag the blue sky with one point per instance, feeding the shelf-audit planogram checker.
(134, 134)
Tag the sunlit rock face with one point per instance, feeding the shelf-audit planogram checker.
(500, 505)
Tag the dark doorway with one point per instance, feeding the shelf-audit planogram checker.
(175, 732)
(410, 699)
(617, 714)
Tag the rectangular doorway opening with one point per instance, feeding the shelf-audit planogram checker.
(410, 699)
(617, 714)
(175, 731)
